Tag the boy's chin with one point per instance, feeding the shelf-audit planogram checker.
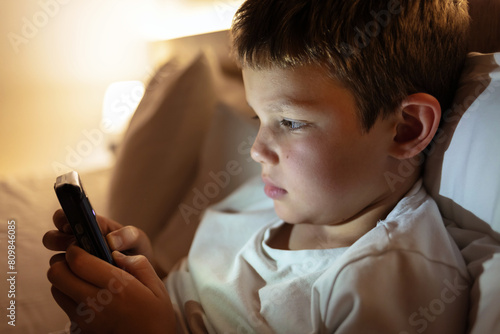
(283, 213)
(288, 215)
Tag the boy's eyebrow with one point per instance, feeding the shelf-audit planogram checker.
(277, 107)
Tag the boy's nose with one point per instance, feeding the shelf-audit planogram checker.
(261, 150)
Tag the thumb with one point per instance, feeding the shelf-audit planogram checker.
(140, 267)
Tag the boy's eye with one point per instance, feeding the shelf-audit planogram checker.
(292, 125)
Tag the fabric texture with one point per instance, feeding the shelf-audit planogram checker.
(31, 202)
(404, 276)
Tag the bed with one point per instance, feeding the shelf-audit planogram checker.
(187, 146)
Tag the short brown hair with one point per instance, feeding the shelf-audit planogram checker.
(382, 51)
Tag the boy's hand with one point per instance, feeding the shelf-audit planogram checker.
(129, 238)
(101, 298)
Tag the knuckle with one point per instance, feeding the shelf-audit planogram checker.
(75, 258)
(141, 259)
(131, 231)
(130, 234)
(56, 258)
(54, 271)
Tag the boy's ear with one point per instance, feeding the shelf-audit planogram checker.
(417, 123)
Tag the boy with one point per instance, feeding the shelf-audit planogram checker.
(348, 94)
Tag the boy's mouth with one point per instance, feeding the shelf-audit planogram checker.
(272, 190)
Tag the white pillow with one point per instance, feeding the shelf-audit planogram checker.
(471, 164)
(462, 173)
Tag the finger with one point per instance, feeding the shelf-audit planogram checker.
(101, 273)
(62, 278)
(107, 225)
(67, 304)
(141, 268)
(61, 222)
(57, 240)
(77, 313)
(57, 258)
(124, 238)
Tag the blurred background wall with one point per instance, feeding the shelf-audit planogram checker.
(58, 58)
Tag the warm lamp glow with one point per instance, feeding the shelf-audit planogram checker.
(120, 101)
(98, 41)
(178, 18)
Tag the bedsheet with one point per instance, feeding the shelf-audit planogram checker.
(28, 204)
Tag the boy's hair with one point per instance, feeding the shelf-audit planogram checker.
(382, 51)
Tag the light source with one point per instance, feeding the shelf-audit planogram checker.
(168, 19)
(120, 102)
(156, 21)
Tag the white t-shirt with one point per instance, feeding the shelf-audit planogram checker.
(404, 276)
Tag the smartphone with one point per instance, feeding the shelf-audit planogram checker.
(81, 216)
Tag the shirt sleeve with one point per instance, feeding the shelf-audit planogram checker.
(396, 292)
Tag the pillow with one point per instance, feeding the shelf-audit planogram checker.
(468, 143)
(225, 164)
(225, 161)
(158, 158)
(187, 146)
(462, 173)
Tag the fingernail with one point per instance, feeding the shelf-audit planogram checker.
(118, 255)
(114, 241)
(130, 233)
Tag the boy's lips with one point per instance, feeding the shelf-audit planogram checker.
(271, 190)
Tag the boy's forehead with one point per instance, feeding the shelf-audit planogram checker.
(282, 87)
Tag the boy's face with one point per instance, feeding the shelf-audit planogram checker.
(318, 165)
